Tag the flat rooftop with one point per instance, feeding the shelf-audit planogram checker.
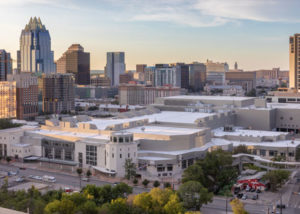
(65, 134)
(164, 116)
(162, 130)
(227, 98)
(219, 132)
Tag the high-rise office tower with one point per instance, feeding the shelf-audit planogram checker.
(76, 62)
(35, 48)
(295, 62)
(26, 94)
(7, 100)
(166, 75)
(115, 65)
(5, 65)
(58, 93)
(183, 71)
(197, 76)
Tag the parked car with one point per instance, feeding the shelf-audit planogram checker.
(67, 189)
(280, 206)
(22, 168)
(248, 188)
(252, 190)
(240, 195)
(254, 197)
(37, 177)
(258, 191)
(19, 179)
(85, 179)
(244, 197)
(12, 173)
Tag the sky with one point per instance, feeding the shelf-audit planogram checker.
(253, 33)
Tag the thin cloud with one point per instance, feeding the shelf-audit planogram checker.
(195, 13)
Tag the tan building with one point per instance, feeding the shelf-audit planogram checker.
(100, 81)
(27, 95)
(76, 62)
(58, 93)
(140, 68)
(8, 104)
(215, 72)
(295, 62)
(126, 78)
(245, 79)
(133, 94)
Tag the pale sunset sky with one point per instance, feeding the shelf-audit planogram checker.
(254, 33)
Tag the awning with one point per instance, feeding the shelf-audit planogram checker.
(65, 162)
(31, 158)
(107, 171)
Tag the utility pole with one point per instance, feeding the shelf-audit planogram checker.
(280, 203)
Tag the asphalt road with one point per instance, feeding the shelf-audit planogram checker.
(218, 206)
(61, 178)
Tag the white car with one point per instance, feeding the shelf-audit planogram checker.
(37, 177)
(19, 179)
(244, 197)
(84, 179)
(12, 173)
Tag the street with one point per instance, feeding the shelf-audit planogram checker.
(218, 206)
(68, 180)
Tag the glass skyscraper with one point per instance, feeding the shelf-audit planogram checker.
(115, 65)
(35, 48)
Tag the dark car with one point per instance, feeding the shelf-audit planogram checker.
(22, 168)
(258, 191)
(252, 190)
(280, 206)
(240, 195)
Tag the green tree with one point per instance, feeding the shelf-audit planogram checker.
(119, 205)
(89, 207)
(194, 195)
(60, 207)
(238, 207)
(121, 190)
(135, 181)
(276, 178)
(130, 169)
(193, 173)
(167, 185)
(218, 170)
(79, 173)
(156, 184)
(173, 206)
(8, 159)
(88, 174)
(145, 182)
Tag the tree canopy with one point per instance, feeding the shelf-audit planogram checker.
(217, 168)
(276, 178)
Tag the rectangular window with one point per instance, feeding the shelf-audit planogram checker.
(183, 164)
(91, 155)
(262, 152)
(170, 167)
(160, 168)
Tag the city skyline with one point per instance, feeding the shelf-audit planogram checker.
(162, 31)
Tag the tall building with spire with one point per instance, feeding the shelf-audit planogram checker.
(35, 53)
